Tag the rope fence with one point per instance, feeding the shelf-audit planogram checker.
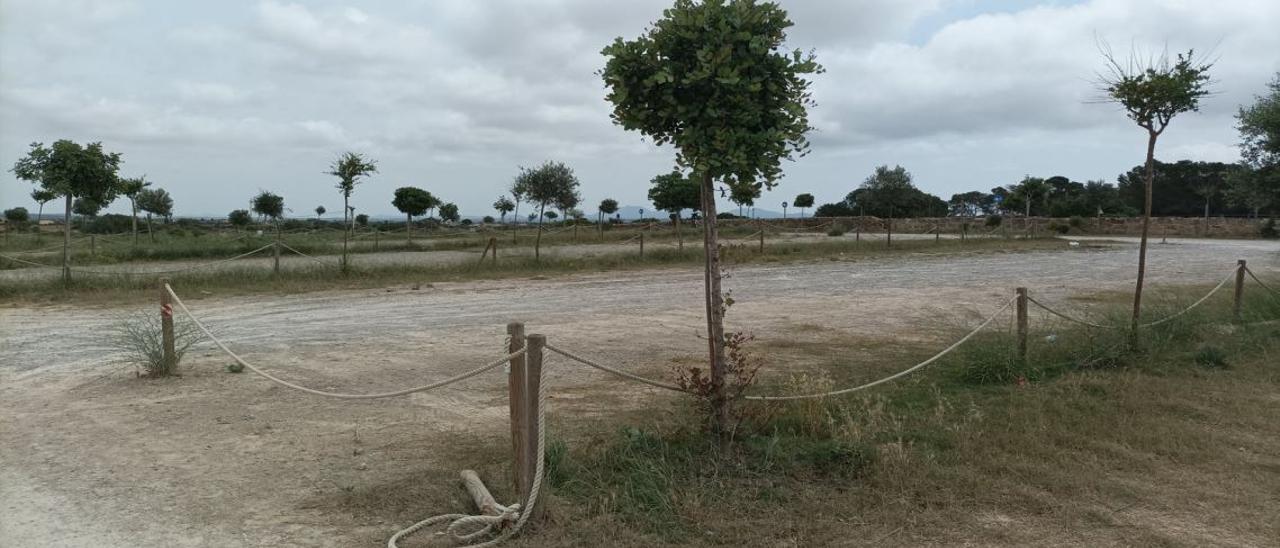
(497, 522)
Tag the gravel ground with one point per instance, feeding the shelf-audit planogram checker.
(91, 456)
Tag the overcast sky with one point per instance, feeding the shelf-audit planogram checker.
(216, 100)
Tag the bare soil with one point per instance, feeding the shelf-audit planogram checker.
(92, 456)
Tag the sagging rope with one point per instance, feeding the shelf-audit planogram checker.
(458, 523)
(897, 375)
(316, 259)
(456, 378)
(144, 273)
(894, 376)
(1256, 279)
(1148, 324)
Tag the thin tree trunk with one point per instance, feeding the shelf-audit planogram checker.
(1142, 245)
(39, 216)
(133, 205)
(408, 228)
(537, 243)
(715, 312)
(66, 244)
(679, 235)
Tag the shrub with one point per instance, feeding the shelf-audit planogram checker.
(1076, 222)
(994, 221)
(488, 219)
(726, 215)
(1211, 356)
(235, 367)
(1055, 226)
(138, 337)
(467, 222)
(1269, 230)
(836, 230)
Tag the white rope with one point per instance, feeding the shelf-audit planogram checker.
(459, 522)
(617, 372)
(1256, 279)
(287, 384)
(902, 373)
(1046, 308)
(316, 259)
(1148, 324)
(145, 272)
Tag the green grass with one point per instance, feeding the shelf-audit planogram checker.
(1055, 444)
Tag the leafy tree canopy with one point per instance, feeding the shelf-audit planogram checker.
(239, 217)
(69, 169)
(710, 78)
(504, 205)
(16, 215)
(86, 207)
(1259, 126)
(551, 184)
(803, 200)
(449, 212)
(673, 193)
(413, 201)
(608, 206)
(350, 168)
(268, 205)
(1154, 94)
(157, 201)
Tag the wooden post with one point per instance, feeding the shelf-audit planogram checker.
(521, 474)
(857, 235)
(1239, 300)
(493, 242)
(93, 245)
(641, 245)
(166, 328)
(762, 239)
(533, 382)
(376, 234)
(937, 234)
(275, 255)
(1022, 324)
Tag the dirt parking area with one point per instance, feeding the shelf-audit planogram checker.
(92, 456)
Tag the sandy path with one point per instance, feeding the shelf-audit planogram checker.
(91, 456)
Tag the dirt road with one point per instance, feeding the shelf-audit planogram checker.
(91, 456)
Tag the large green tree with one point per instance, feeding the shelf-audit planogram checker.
(674, 193)
(15, 218)
(41, 197)
(1152, 95)
(712, 79)
(449, 212)
(155, 201)
(803, 201)
(72, 171)
(130, 189)
(1259, 126)
(413, 202)
(269, 205)
(551, 184)
(504, 205)
(888, 192)
(239, 218)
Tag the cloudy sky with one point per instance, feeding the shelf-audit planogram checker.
(216, 100)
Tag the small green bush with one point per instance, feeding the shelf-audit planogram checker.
(1055, 226)
(1076, 222)
(1269, 230)
(836, 231)
(138, 337)
(1211, 356)
(235, 367)
(994, 221)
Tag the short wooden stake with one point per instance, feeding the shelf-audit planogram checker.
(761, 240)
(493, 243)
(479, 493)
(1022, 324)
(376, 233)
(533, 383)
(521, 474)
(937, 234)
(275, 255)
(641, 245)
(166, 328)
(1238, 308)
(93, 245)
